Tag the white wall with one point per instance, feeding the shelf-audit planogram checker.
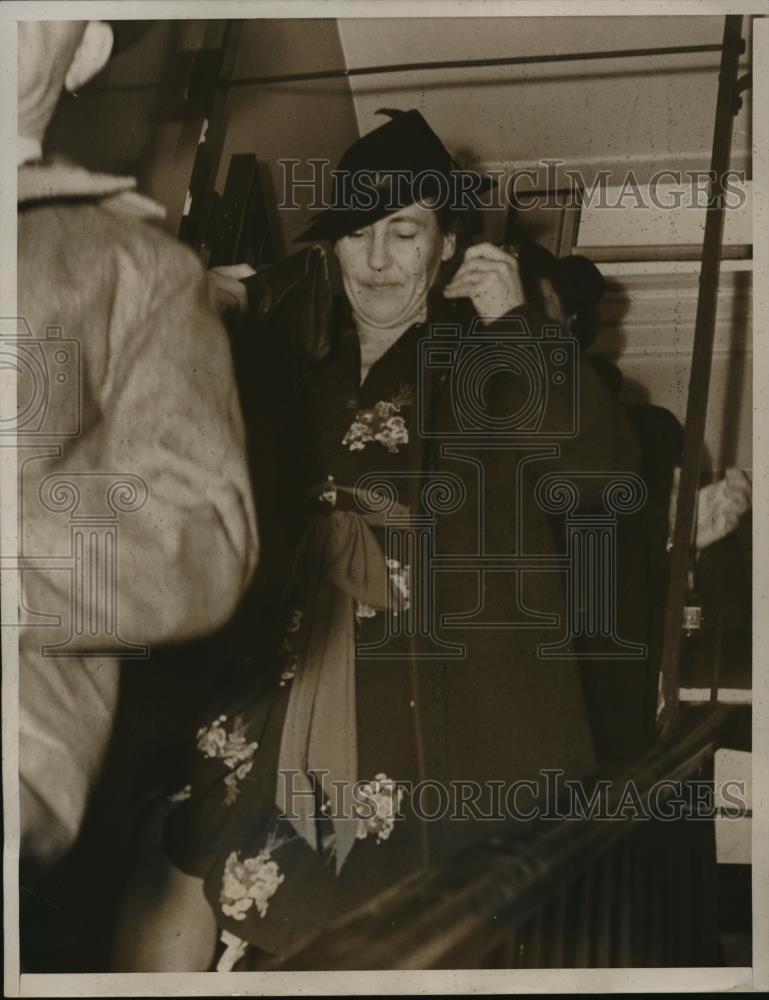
(655, 110)
(648, 327)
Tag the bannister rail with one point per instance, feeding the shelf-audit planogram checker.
(473, 902)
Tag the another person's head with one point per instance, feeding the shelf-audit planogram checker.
(398, 220)
(52, 56)
(571, 295)
(567, 289)
(577, 289)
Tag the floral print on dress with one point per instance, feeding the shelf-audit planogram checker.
(382, 423)
(181, 796)
(235, 950)
(363, 610)
(250, 882)
(381, 799)
(231, 748)
(399, 579)
(401, 592)
(297, 617)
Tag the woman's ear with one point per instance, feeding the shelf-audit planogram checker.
(449, 246)
(90, 56)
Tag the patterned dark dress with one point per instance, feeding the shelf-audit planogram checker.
(425, 714)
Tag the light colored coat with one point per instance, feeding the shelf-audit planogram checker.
(137, 388)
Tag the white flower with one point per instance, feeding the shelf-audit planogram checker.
(247, 883)
(384, 409)
(231, 781)
(381, 798)
(381, 423)
(358, 435)
(363, 610)
(393, 433)
(231, 748)
(212, 739)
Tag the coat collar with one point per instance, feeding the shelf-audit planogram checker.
(56, 179)
(28, 150)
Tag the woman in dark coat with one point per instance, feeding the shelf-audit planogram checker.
(411, 592)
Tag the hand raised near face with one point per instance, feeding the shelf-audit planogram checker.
(491, 279)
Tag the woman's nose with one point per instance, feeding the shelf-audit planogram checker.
(378, 253)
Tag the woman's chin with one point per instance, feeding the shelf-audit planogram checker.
(377, 315)
(386, 314)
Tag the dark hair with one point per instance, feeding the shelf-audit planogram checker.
(580, 286)
(465, 225)
(576, 281)
(535, 263)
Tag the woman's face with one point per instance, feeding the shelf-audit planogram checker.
(388, 267)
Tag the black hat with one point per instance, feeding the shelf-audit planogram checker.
(397, 164)
(535, 262)
(580, 284)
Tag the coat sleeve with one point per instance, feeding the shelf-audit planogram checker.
(171, 422)
(601, 444)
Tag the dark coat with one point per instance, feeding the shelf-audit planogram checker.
(497, 712)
